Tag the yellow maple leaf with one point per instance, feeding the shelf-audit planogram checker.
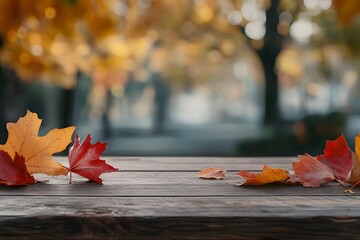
(357, 145)
(37, 150)
(354, 175)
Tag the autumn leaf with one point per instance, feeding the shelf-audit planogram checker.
(354, 174)
(337, 157)
(357, 145)
(268, 175)
(310, 172)
(212, 173)
(294, 178)
(84, 159)
(37, 150)
(14, 172)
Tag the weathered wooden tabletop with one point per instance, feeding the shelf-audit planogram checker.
(161, 198)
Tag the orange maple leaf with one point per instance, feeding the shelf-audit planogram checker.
(268, 175)
(37, 150)
(212, 173)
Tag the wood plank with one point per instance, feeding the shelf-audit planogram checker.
(161, 198)
(161, 184)
(149, 178)
(192, 163)
(198, 163)
(246, 206)
(206, 228)
(134, 178)
(179, 218)
(170, 190)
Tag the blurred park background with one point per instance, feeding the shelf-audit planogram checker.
(185, 77)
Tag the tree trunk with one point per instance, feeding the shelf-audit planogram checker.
(3, 132)
(273, 43)
(67, 107)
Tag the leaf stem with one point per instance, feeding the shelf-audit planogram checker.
(349, 190)
(70, 178)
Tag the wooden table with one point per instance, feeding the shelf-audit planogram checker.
(161, 198)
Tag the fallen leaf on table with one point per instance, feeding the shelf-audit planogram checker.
(357, 145)
(212, 173)
(84, 159)
(37, 150)
(14, 172)
(310, 172)
(294, 178)
(354, 174)
(337, 156)
(268, 175)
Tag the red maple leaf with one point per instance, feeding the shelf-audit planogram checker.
(311, 172)
(14, 172)
(337, 156)
(84, 159)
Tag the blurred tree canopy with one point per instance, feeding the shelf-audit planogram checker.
(53, 40)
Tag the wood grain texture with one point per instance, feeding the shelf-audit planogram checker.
(148, 207)
(164, 184)
(62, 227)
(192, 163)
(161, 198)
